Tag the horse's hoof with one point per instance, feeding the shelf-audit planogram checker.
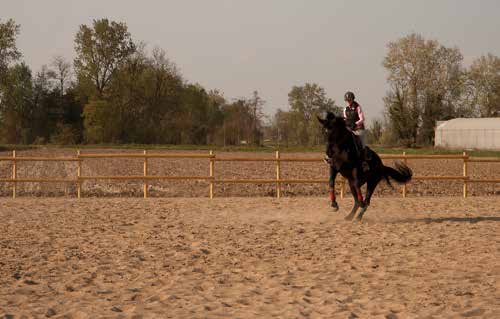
(361, 213)
(335, 206)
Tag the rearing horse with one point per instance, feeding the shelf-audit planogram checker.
(344, 150)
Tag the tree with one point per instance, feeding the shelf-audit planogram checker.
(375, 131)
(443, 91)
(61, 73)
(16, 104)
(8, 50)
(100, 51)
(426, 82)
(164, 92)
(195, 103)
(216, 102)
(305, 102)
(255, 104)
(283, 130)
(42, 100)
(309, 99)
(401, 117)
(237, 123)
(97, 129)
(144, 103)
(483, 81)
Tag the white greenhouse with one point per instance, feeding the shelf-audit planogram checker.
(468, 133)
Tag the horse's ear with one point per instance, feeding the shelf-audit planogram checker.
(321, 120)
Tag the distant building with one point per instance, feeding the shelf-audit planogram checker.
(468, 133)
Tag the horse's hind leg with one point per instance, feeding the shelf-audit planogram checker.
(356, 204)
(370, 188)
(353, 211)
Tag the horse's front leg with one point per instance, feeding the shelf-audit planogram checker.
(331, 182)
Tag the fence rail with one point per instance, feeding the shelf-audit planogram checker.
(79, 158)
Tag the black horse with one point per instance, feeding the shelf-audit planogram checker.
(344, 150)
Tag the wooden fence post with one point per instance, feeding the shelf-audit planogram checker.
(404, 185)
(145, 174)
(465, 174)
(14, 174)
(278, 175)
(211, 193)
(78, 175)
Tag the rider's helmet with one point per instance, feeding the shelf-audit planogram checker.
(349, 96)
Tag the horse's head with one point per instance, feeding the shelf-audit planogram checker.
(335, 129)
(331, 122)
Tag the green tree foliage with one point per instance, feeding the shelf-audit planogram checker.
(194, 122)
(309, 99)
(375, 131)
(305, 103)
(255, 104)
(8, 49)
(100, 50)
(118, 92)
(148, 102)
(32, 109)
(121, 94)
(16, 104)
(426, 81)
(144, 100)
(237, 123)
(283, 130)
(483, 84)
(61, 72)
(97, 127)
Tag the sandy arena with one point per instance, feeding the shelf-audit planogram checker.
(249, 258)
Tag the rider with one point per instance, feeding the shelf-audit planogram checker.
(355, 120)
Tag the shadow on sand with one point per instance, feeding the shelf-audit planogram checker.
(429, 220)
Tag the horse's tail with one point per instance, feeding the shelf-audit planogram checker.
(401, 174)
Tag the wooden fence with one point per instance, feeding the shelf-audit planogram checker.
(211, 178)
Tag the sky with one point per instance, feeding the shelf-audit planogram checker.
(239, 46)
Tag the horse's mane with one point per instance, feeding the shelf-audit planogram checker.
(333, 120)
(337, 132)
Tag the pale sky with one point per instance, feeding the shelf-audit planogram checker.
(240, 46)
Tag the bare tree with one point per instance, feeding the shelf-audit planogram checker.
(484, 86)
(62, 73)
